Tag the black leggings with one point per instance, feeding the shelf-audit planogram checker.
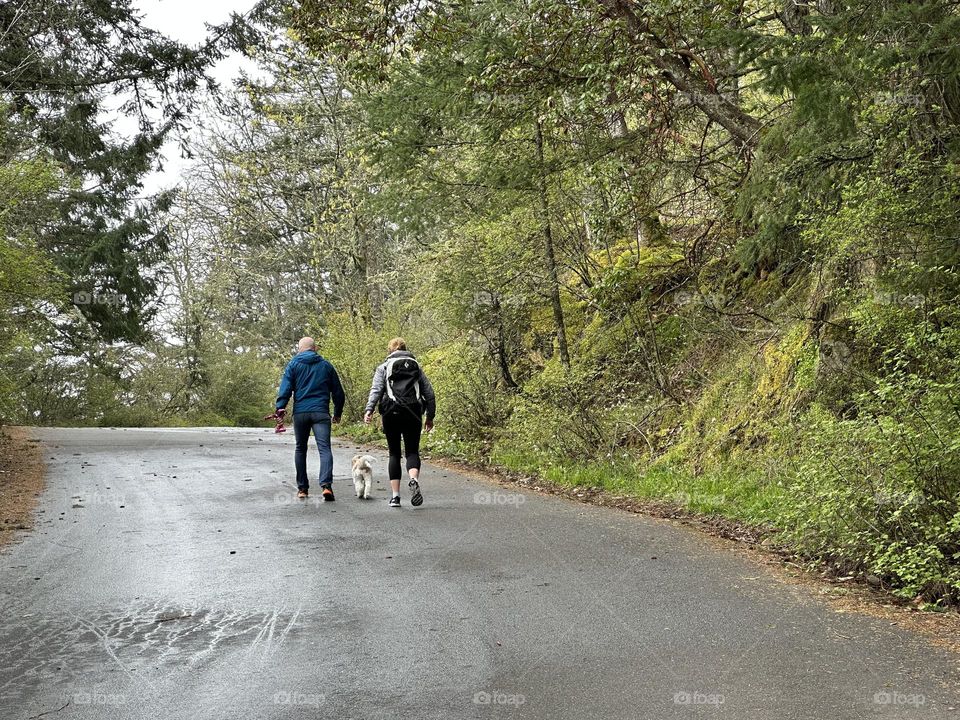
(408, 427)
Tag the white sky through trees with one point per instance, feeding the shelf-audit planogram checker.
(186, 21)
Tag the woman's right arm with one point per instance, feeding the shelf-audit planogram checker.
(376, 391)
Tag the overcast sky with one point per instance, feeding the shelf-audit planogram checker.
(184, 20)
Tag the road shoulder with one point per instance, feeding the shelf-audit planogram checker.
(21, 481)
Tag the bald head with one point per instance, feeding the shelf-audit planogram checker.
(307, 343)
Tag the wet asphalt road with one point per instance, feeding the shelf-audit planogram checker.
(172, 574)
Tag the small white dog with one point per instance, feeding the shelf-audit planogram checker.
(363, 475)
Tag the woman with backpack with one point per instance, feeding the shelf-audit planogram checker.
(403, 394)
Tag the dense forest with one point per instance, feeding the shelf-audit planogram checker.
(700, 252)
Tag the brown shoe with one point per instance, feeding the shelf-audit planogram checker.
(302, 494)
(328, 494)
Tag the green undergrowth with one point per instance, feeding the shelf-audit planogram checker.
(726, 493)
(358, 432)
(731, 495)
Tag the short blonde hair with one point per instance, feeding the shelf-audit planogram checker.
(398, 343)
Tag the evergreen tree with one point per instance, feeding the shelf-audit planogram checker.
(64, 66)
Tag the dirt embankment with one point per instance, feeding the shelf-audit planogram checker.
(21, 480)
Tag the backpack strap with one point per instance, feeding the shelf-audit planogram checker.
(386, 378)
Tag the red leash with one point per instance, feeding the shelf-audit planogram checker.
(278, 416)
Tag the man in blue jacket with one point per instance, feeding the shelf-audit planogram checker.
(313, 382)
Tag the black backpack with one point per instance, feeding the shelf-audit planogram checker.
(403, 387)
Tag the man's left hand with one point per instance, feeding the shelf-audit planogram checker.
(336, 420)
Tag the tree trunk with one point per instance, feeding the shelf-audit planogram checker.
(501, 349)
(744, 128)
(548, 251)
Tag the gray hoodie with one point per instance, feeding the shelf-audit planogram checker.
(379, 386)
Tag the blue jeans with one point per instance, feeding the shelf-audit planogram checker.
(319, 422)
